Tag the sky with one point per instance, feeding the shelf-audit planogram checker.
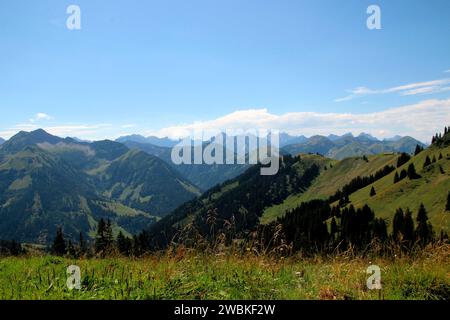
(165, 67)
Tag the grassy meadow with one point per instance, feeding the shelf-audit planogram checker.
(184, 274)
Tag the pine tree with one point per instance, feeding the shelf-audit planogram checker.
(109, 234)
(372, 192)
(447, 206)
(402, 159)
(423, 230)
(412, 172)
(403, 174)
(396, 177)
(59, 244)
(440, 156)
(103, 240)
(418, 150)
(433, 160)
(71, 249)
(81, 244)
(123, 244)
(333, 228)
(380, 229)
(427, 162)
(408, 226)
(398, 224)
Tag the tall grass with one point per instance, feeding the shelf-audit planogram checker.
(185, 273)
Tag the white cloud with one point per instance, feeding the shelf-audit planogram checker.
(40, 117)
(447, 71)
(420, 120)
(427, 87)
(128, 126)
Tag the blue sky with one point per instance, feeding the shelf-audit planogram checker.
(164, 66)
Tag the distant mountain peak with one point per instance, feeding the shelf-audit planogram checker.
(160, 142)
(24, 139)
(367, 136)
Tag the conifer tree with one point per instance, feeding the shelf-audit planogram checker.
(403, 174)
(402, 159)
(333, 228)
(423, 229)
(59, 244)
(447, 206)
(123, 244)
(408, 226)
(104, 238)
(71, 249)
(412, 174)
(418, 150)
(427, 161)
(81, 244)
(398, 224)
(396, 177)
(372, 192)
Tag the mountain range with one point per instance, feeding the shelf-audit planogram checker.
(47, 181)
(244, 205)
(341, 147)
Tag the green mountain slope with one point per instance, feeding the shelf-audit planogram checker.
(204, 176)
(338, 174)
(431, 189)
(39, 192)
(46, 182)
(144, 182)
(239, 202)
(239, 207)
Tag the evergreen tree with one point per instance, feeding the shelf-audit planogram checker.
(124, 244)
(440, 156)
(447, 206)
(104, 238)
(433, 160)
(418, 150)
(427, 162)
(408, 226)
(423, 230)
(109, 234)
(81, 244)
(71, 249)
(333, 228)
(59, 244)
(372, 192)
(403, 174)
(412, 174)
(380, 229)
(398, 224)
(396, 177)
(402, 159)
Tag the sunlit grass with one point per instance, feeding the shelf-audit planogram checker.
(187, 274)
